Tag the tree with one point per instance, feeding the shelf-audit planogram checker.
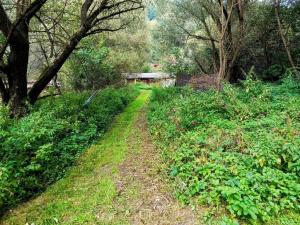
(95, 16)
(219, 27)
(232, 15)
(280, 29)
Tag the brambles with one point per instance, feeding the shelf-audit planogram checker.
(239, 148)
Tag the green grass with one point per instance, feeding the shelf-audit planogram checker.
(88, 192)
(39, 149)
(143, 86)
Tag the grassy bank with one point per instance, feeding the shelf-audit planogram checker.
(39, 149)
(238, 149)
(89, 190)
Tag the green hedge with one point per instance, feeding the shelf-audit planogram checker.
(37, 150)
(239, 148)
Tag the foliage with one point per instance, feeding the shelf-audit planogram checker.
(273, 73)
(2, 39)
(91, 183)
(90, 68)
(169, 42)
(38, 149)
(129, 48)
(143, 86)
(238, 148)
(177, 64)
(190, 24)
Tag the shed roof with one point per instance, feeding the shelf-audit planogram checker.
(131, 76)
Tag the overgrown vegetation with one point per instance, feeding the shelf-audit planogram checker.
(235, 35)
(38, 149)
(89, 194)
(50, 31)
(90, 69)
(239, 148)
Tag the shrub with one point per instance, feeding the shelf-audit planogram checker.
(38, 150)
(177, 64)
(239, 148)
(273, 73)
(90, 68)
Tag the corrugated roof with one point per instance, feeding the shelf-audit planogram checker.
(147, 76)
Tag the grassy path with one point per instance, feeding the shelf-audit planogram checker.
(74, 200)
(114, 182)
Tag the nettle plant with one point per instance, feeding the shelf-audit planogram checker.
(238, 148)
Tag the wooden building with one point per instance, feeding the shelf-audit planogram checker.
(162, 79)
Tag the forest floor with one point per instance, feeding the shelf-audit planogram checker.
(117, 181)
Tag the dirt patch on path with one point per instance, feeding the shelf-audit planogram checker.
(143, 192)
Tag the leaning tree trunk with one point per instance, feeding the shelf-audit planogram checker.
(50, 72)
(93, 16)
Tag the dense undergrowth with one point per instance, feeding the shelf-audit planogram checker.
(38, 149)
(239, 148)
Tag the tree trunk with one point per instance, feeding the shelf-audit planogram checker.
(56, 85)
(17, 35)
(230, 47)
(17, 73)
(266, 52)
(200, 65)
(215, 55)
(93, 17)
(227, 61)
(284, 40)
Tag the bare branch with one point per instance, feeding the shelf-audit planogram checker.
(198, 37)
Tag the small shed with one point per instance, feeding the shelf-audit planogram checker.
(163, 79)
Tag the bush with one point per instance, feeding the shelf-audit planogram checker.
(177, 64)
(239, 148)
(90, 68)
(273, 73)
(38, 150)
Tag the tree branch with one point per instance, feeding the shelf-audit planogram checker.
(5, 23)
(118, 12)
(9, 29)
(200, 65)
(84, 11)
(198, 37)
(89, 25)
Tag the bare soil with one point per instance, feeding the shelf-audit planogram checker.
(153, 202)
